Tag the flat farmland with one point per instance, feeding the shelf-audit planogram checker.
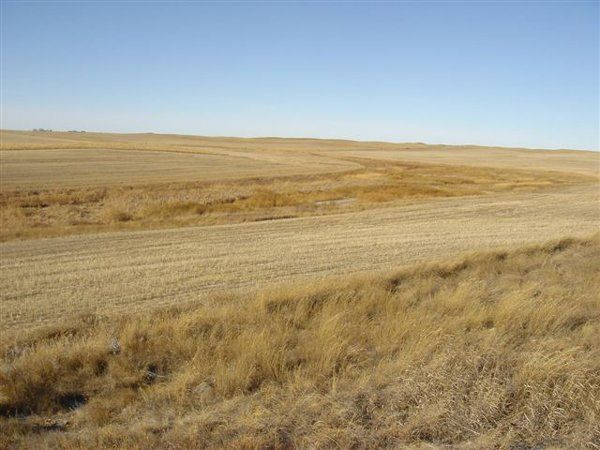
(69, 168)
(580, 162)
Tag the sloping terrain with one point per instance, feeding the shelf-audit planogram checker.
(45, 279)
(179, 291)
(496, 350)
(323, 151)
(580, 162)
(362, 207)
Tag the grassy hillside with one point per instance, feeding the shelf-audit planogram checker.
(495, 350)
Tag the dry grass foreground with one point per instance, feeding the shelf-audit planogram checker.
(497, 350)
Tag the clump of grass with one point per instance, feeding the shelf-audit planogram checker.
(165, 211)
(116, 214)
(494, 350)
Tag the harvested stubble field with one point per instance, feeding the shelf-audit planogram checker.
(497, 350)
(46, 279)
(102, 232)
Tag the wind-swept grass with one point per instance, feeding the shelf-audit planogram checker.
(34, 213)
(496, 350)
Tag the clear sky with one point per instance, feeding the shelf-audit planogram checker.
(506, 73)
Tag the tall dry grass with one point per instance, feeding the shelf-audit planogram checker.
(497, 350)
(36, 213)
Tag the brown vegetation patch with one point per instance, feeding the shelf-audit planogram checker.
(28, 213)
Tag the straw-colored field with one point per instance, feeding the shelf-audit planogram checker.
(178, 291)
(364, 213)
(47, 279)
(158, 182)
(587, 163)
(39, 169)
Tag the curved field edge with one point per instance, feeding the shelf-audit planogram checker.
(493, 350)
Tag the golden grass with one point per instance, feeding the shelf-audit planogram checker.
(55, 211)
(496, 350)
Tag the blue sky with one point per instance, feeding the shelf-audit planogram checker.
(507, 73)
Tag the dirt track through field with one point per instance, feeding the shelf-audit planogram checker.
(45, 280)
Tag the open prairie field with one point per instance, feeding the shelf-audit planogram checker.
(295, 151)
(159, 219)
(165, 290)
(177, 292)
(548, 160)
(71, 183)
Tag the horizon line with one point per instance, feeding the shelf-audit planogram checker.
(313, 138)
